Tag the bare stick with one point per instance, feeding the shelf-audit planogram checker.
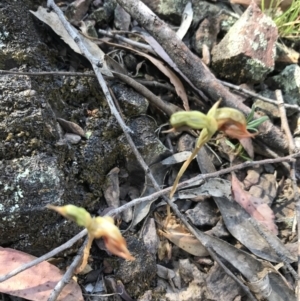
(44, 73)
(144, 82)
(284, 122)
(142, 46)
(166, 107)
(250, 93)
(68, 274)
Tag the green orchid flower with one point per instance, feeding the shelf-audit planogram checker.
(228, 120)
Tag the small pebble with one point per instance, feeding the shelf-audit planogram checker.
(72, 138)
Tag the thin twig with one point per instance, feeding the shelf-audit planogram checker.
(43, 73)
(68, 274)
(253, 94)
(146, 83)
(166, 107)
(230, 274)
(192, 99)
(284, 122)
(142, 46)
(286, 128)
(262, 149)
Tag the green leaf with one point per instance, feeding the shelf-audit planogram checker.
(254, 124)
(251, 114)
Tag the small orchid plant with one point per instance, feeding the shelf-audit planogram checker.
(228, 120)
(97, 227)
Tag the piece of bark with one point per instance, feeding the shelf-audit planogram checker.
(195, 70)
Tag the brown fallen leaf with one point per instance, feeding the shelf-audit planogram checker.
(35, 283)
(179, 236)
(253, 205)
(71, 127)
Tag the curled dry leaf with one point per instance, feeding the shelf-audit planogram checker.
(254, 206)
(111, 188)
(179, 236)
(71, 127)
(35, 283)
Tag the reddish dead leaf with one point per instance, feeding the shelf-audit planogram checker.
(253, 205)
(35, 283)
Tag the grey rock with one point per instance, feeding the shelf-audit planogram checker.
(105, 13)
(247, 52)
(132, 103)
(289, 81)
(204, 213)
(72, 138)
(141, 271)
(167, 9)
